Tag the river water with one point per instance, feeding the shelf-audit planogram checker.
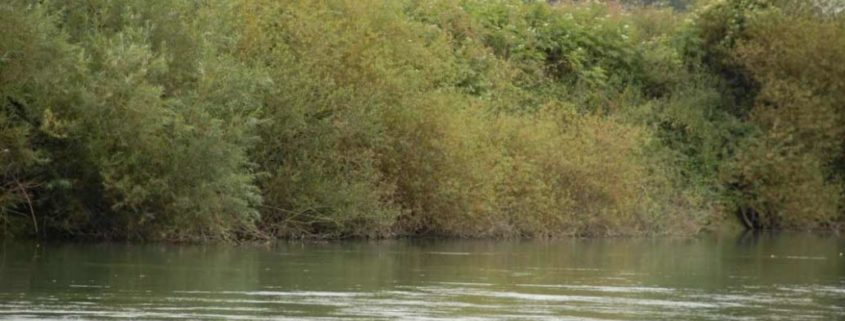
(744, 277)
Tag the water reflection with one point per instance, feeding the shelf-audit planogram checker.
(761, 276)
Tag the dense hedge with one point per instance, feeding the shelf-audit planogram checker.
(183, 120)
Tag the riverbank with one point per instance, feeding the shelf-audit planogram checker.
(257, 119)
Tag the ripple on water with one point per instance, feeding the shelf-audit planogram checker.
(437, 301)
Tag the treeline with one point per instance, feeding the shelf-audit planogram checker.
(196, 120)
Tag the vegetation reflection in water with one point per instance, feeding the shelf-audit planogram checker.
(786, 277)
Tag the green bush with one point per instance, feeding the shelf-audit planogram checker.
(167, 120)
(405, 131)
(779, 60)
(799, 109)
(35, 60)
(122, 121)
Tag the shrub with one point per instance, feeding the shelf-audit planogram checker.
(123, 122)
(782, 58)
(224, 120)
(799, 110)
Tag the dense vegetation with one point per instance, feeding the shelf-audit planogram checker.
(187, 120)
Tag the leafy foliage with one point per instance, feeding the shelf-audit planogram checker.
(121, 122)
(243, 119)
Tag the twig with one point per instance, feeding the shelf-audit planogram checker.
(28, 203)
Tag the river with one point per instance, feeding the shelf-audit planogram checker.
(742, 277)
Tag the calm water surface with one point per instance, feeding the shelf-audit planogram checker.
(770, 277)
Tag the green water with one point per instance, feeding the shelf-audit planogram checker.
(771, 277)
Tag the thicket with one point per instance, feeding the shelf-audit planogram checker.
(779, 60)
(251, 119)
